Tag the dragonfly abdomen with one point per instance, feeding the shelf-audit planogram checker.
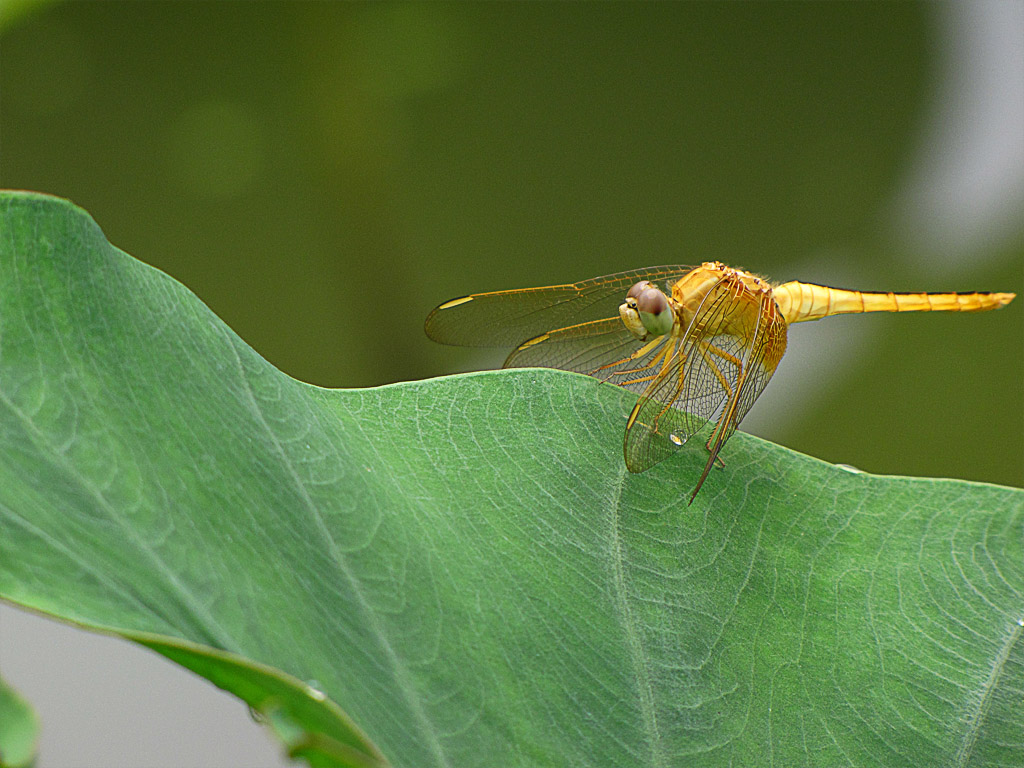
(799, 302)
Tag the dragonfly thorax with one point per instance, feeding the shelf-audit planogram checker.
(646, 311)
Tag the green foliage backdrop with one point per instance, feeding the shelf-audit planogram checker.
(323, 174)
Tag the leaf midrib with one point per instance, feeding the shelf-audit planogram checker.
(977, 718)
(637, 656)
(426, 726)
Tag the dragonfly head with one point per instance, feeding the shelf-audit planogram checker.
(646, 311)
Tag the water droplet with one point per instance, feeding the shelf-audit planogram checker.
(850, 468)
(314, 692)
(676, 439)
(1021, 622)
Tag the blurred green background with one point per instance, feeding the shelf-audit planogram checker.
(322, 175)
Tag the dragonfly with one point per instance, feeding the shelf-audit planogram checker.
(697, 345)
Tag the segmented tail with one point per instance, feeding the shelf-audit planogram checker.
(803, 301)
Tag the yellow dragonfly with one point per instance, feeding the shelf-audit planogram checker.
(698, 345)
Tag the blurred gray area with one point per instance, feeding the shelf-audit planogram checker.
(322, 175)
(107, 703)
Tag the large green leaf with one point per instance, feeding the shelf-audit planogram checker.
(461, 569)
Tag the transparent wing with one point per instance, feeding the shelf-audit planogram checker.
(604, 349)
(508, 318)
(762, 359)
(713, 373)
(691, 388)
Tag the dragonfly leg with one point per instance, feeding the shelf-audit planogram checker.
(718, 459)
(645, 349)
(718, 435)
(704, 348)
(664, 402)
(722, 354)
(713, 448)
(667, 403)
(663, 358)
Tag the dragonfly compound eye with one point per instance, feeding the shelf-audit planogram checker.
(639, 288)
(655, 313)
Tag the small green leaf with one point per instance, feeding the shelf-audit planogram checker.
(300, 714)
(19, 729)
(462, 567)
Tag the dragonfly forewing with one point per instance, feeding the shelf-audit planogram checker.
(509, 318)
